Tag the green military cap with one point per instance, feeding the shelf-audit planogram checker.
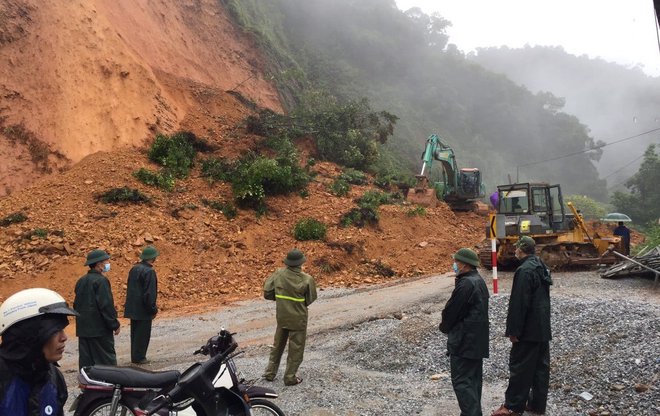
(295, 257)
(149, 253)
(525, 242)
(96, 256)
(467, 256)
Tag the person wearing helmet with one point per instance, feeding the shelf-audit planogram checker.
(98, 322)
(140, 307)
(293, 291)
(465, 321)
(32, 324)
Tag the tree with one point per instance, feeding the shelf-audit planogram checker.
(642, 204)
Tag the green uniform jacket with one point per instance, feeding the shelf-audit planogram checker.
(529, 305)
(293, 291)
(465, 317)
(96, 306)
(141, 292)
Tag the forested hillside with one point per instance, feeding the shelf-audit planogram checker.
(613, 101)
(402, 62)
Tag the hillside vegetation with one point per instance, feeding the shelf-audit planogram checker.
(403, 64)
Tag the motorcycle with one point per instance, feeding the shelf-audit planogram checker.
(209, 388)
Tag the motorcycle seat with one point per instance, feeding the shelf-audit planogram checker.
(256, 391)
(132, 376)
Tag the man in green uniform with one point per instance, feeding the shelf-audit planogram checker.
(98, 317)
(465, 320)
(293, 291)
(140, 307)
(528, 329)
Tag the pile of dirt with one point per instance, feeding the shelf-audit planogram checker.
(206, 258)
(604, 229)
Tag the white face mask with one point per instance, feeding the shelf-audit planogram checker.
(106, 267)
(455, 267)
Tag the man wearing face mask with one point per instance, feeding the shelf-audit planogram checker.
(528, 329)
(32, 324)
(97, 323)
(465, 321)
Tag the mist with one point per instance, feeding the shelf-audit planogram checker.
(613, 101)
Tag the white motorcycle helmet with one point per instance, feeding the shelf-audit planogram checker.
(29, 303)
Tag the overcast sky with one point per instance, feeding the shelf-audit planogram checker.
(622, 31)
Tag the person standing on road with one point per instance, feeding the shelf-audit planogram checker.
(528, 329)
(97, 324)
(140, 307)
(623, 232)
(293, 291)
(465, 321)
(32, 324)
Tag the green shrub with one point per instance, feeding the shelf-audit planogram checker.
(651, 240)
(309, 229)
(354, 177)
(162, 179)
(38, 232)
(417, 211)
(359, 217)
(249, 195)
(376, 198)
(256, 177)
(218, 169)
(589, 208)
(125, 194)
(340, 187)
(227, 208)
(13, 218)
(176, 153)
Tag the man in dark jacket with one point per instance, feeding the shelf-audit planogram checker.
(140, 307)
(528, 329)
(623, 232)
(32, 324)
(465, 320)
(98, 317)
(293, 291)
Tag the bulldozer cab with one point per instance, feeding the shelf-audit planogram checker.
(532, 208)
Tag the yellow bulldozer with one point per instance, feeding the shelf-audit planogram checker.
(537, 210)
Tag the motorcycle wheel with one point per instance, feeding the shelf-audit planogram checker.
(263, 407)
(102, 408)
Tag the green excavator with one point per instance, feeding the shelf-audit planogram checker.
(461, 189)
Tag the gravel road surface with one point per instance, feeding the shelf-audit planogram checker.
(377, 350)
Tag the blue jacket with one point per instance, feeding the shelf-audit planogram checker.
(45, 395)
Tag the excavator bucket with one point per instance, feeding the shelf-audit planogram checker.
(422, 194)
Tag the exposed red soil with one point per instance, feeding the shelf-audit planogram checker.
(207, 259)
(101, 75)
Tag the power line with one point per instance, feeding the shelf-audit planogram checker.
(589, 149)
(625, 166)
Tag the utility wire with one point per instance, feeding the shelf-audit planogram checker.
(589, 149)
(624, 166)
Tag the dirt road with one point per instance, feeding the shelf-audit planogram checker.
(254, 320)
